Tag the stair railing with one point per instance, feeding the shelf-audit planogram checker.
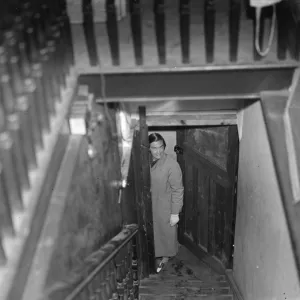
(116, 274)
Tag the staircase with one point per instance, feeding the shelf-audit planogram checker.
(185, 277)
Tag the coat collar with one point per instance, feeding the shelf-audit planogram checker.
(160, 162)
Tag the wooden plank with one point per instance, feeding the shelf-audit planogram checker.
(149, 38)
(89, 34)
(102, 43)
(197, 41)
(81, 56)
(282, 28)
(136, 30)
(160, 29)
(234, 29)
(146, 189)
(172, 33)
(189, 119)
(231, 194)
(180, 135)
(195, 219)
(211, 248)
(112, 30)
(184, 11)
(209, 29)
(203, 198)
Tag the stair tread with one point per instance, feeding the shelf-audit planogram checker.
(184, 283)
(199, 297)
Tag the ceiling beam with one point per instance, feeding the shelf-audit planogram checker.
(190, 119)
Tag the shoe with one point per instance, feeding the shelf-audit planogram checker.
(160, 266)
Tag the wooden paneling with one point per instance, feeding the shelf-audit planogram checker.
(209, 201)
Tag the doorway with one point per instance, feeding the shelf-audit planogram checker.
(208, 157)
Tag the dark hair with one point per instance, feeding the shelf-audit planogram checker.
(156, 137)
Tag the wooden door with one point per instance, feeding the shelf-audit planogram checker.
(209, 163)
(140, 159)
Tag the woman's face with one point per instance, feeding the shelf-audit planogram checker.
(157, 149)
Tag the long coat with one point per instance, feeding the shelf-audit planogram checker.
(167, 198)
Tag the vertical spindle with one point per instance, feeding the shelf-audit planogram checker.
(209, 29)
(160, 29)
(41, 96)
(136, 30)
(112, 31)
(282, 30)
(234, 28)
(184, 12)
(54, 69)
(11, 179)
(89, 32)
(27, 110)
(6, 224)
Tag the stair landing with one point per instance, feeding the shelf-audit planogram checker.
(186, 277)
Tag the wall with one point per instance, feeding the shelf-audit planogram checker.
(92, 214)
(264, 266)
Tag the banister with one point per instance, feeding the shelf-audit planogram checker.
(105, 254)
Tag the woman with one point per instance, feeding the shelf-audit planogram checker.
(167, 199)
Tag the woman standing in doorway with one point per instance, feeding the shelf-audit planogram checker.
(167, 199)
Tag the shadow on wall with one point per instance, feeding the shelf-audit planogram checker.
(92, 215)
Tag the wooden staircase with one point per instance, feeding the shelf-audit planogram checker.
(185, 277)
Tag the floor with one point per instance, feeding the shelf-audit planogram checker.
(173, 46)
(185, 277)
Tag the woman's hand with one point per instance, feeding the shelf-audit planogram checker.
(174, 219)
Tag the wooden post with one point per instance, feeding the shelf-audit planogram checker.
(234, 28)
(209, 29)
(160, 30)
(136, 29)
(146, 188)
(184, 11)
(112, 31)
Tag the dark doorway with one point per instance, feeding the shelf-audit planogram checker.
(209, 161)
(208, 157)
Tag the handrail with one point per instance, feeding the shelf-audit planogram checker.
(108, 252)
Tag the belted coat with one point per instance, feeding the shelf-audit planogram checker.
(167, 198)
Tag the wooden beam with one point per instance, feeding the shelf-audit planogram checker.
(201, 119)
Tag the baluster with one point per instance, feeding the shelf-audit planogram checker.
(20, 37)
(112, 31)
(64, 42)
(160, 29)
(59, 54)
(282, 30)
(120, 287)
(24, 100)
(234, 28)
(41, 96)
(184, 11)
(6, 224)
(209, 29)
(68, 32)
(48, 82)
(53, 69)
(89, 32)
(136, 30)
(13, 125)
(2, 252)
(28, 116)
(135, 274)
